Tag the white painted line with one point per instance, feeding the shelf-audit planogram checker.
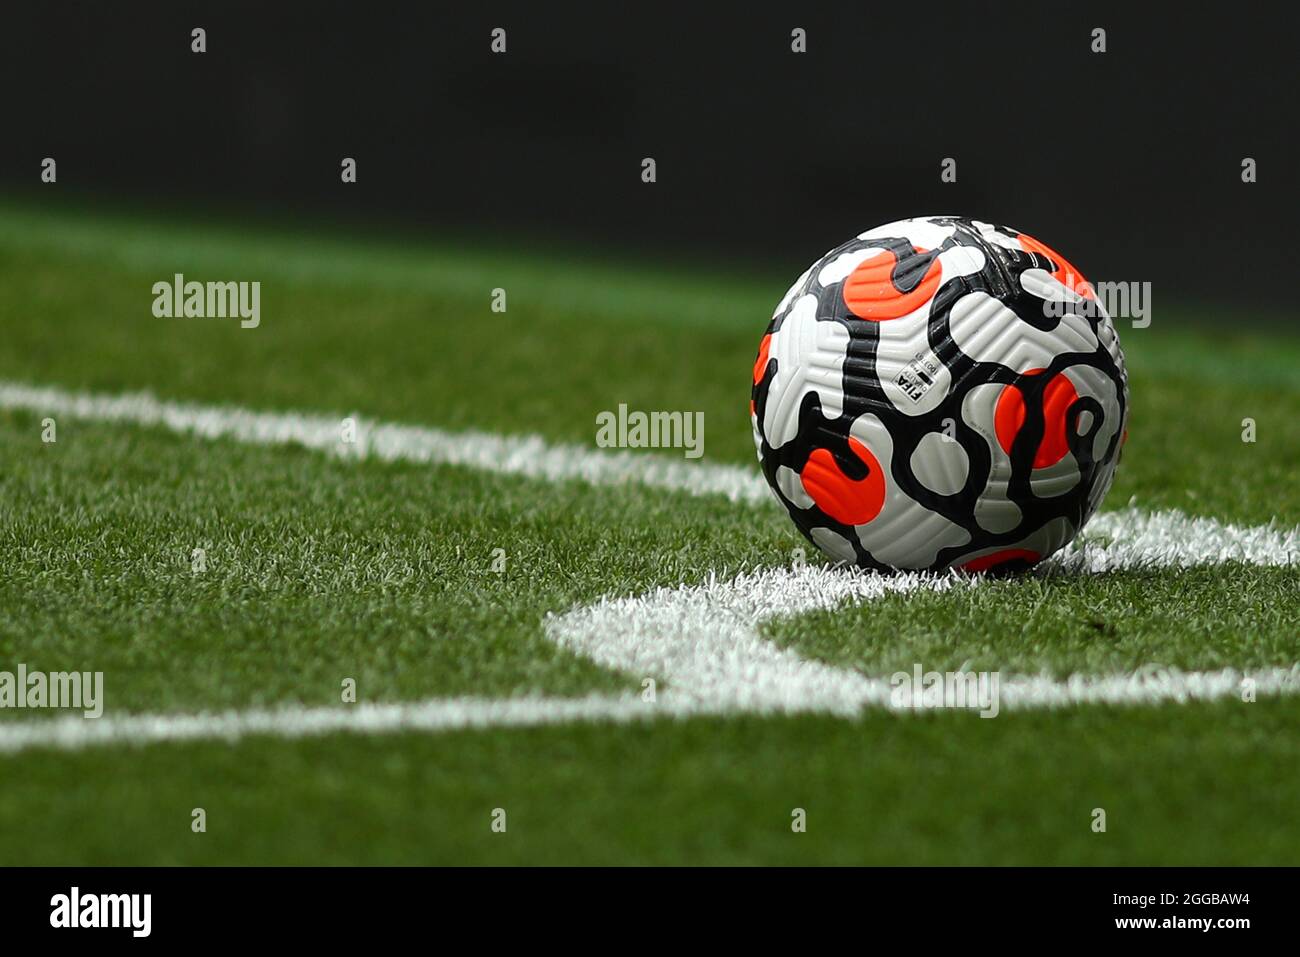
(526, 455)
(1134, 539)
(437, 714)
(72, 733)
(702, 642)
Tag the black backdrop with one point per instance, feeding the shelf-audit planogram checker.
(1128, 161)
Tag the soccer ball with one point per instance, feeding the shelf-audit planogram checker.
(940, 392)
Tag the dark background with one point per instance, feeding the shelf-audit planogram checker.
(1129, 162)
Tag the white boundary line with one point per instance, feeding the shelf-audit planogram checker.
(705, 641)
(702, 641)
(526, 455)
(437, 714)
(72, 733)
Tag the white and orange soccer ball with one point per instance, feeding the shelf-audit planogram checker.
(940, 392)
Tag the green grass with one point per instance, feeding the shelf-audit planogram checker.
(1204, 785)
(321, 569)
(1218, 616)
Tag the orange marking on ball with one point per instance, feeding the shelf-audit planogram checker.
(1009, 418)
(870, 293)
(840, 497)
(1064, 272)
(760, 364)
